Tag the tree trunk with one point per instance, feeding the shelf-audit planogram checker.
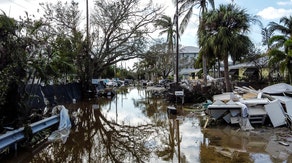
(226, 75)
(204, 69)
(218, 70)
(290, 71)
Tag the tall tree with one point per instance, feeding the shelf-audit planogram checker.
(188, 5)
(12, 58)
(7, 32)
(120, 31)
(69, 46)
(156, 61)
(166, 26)
(207, 50)
(65, 42)
(282, 41)
(15, 43)
(226, 29)
(266, 36)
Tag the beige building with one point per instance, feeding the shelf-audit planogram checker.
(253, 70)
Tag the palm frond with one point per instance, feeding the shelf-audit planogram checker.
(186, 5)
(212, 3)
(273, 26)
(184, 23)
(277, 41)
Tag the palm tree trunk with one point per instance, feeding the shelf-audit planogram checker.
(290, 71)
(226, 75)
(218, 69)
(204, 69)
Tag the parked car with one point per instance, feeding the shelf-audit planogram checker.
(164, 82)
(144, 83)
(150, 83)
(127, 82)
(111, 84)
(120, 83)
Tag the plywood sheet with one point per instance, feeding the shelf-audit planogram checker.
(276, 113)
(289, 107)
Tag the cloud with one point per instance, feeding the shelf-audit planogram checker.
(284, 3)
(271, 13)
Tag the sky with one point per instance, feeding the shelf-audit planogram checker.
(266, 10)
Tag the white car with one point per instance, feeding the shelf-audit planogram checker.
(150, 83)
(112, 84)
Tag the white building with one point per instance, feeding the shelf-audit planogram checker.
(187, 56)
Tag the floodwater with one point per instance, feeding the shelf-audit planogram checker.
(135, 127)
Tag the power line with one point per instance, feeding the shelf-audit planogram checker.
(18, 4)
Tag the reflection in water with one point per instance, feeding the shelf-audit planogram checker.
(134, 127)
(131, 127)
(98, 136)
(223, 146)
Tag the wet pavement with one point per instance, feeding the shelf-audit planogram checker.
(135, 127)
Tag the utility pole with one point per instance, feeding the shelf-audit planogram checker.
(87, 27)
(89, 69)
(177, 44)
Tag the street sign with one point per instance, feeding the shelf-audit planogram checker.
(179, 93)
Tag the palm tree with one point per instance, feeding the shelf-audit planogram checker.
(266, 36)
(166, 26)
(284, 58)
(188, 5)
(225, 30)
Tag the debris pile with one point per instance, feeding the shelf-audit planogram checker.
(246, 106)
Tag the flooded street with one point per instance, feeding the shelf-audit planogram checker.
(135, 127)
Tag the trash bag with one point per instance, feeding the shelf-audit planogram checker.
(64, 119)
(64, 127)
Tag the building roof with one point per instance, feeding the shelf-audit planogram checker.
(189, 71)
(189, 49)
(258, 62)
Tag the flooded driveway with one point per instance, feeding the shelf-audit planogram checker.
(135, 127)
